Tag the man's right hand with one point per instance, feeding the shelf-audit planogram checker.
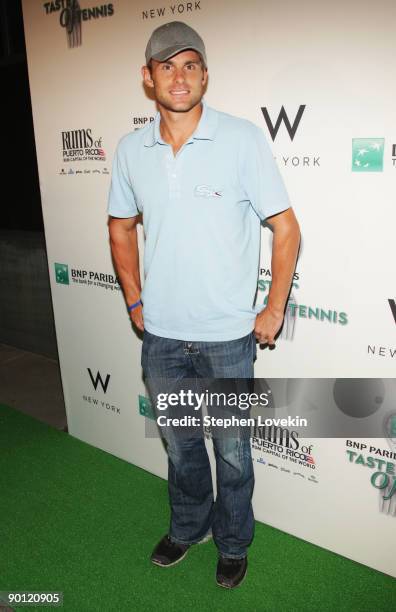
(137, 317)
(125, 252)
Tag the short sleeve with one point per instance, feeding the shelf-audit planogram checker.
(121, 201)
(259, 175)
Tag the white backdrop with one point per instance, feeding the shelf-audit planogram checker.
(333, 67)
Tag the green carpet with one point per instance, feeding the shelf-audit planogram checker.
(79, 520)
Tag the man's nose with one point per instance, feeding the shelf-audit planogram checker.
(179, 76)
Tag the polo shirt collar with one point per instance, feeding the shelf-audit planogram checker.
(205, 129)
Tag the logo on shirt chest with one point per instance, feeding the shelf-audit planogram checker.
(207, 191)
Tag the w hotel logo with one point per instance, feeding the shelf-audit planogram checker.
(96, 380)
(367, 154)
(283, 117)
(392, 304)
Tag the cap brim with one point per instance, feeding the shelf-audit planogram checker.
(171, 51)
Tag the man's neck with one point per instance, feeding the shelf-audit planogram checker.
(176, 128)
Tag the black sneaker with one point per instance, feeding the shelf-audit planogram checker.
(230, 572)
(168, 553)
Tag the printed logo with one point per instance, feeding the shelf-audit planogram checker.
(173, 10)
(380, 462)
(367, 154)
(295, 310)
(381, 351)
(289, 160)
(71, 16)
(145, 407)
(98, 379)
(206, 191)
(89, 278)
(81, 145)
(272, 443)
(384, 351)
(100, 384)
(62, 274)
(392, 426)
(291, 129)
(140, 121)
(392, 305)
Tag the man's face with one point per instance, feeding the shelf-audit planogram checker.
(179, 82)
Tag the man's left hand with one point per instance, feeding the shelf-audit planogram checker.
(268, 323)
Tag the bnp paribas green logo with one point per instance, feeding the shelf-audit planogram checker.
(393, 426)
(145, 407)
(62, 274)
(367, 154)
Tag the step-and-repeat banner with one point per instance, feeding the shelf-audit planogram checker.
(320, 83)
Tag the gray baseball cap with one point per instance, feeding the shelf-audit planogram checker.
(171, 38)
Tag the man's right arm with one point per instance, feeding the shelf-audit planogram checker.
(125, 252)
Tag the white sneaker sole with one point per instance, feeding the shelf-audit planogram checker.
(169, 564)
(206, 538)
(231, 587)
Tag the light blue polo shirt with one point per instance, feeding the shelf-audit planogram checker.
(201, 216)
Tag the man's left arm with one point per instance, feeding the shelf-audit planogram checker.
(285, 246)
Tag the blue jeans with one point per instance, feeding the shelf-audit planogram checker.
(194, 512)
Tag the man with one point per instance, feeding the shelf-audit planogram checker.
(204, 181)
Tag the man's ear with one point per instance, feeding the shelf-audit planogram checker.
(147, 78)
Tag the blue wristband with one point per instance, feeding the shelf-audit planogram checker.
(135, 305)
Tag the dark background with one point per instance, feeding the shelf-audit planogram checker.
(21, 204)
